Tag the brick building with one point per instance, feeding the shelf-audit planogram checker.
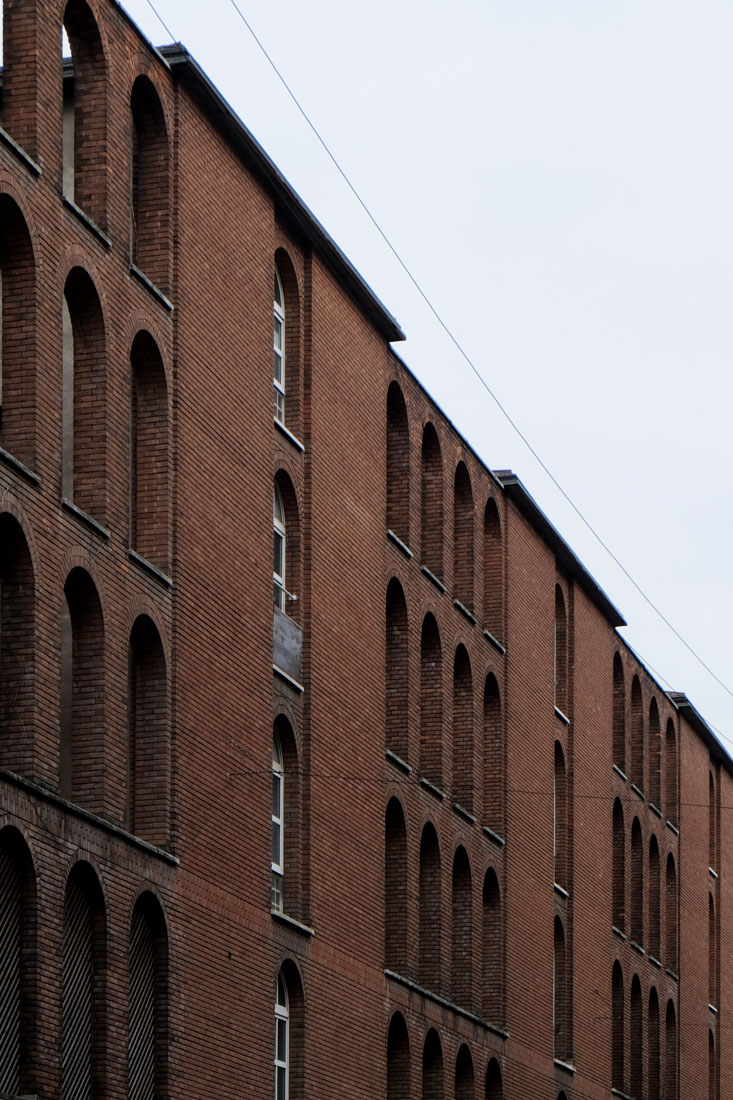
(401, 817)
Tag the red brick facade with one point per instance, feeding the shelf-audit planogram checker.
(428, 820)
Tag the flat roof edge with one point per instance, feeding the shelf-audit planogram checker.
(217, 108)
(569, 561)
(701, 728)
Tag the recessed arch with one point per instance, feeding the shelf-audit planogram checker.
(464, 1082)
(462, 930)
(618, 1014)
(494, 1085)
(17, 646)
(432, 1067)
(670, 759)
(18, 965)
(395, 888)
(653, 1047)
(398, 464)
(492, 949)
(637, 884)
(84, 401)
(150, 228)
(618, 871)
(397, 672)
(149, 748)
(463, 748)
(637, 735)
(493, 753)
(430, 894)
(287, 373)
(655, 755)
(431, 502)
(671, 946)
(17, 334)
(398, 1059)
(619, 713)
(561, 651)
(82, 718)
(636, 1025)
(85, 113)
(654, 892)
(463, 537)
(560, 818)
(84, 986)
(150, 453)
(431, 702)
(670, 1053)
(148, 1035)
(493, 572)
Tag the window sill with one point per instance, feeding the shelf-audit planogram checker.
(671, 974)
(655, 962)
(282, 675)
(562, 716)
(673, 828)
(637, 947)
(398, 761)
(621, 774)
(149, 568)
(21, 154)
(19, 468)
(637, 790)
(87, 520)
(432, 789)
(563, 893)
(445, 1003)
(87, 222)
(291, 922)
(151, 288)
(712, 873)
(494, 642)
(431, 577)
(566, 1067)
(465, 814)
(288, 434)
(465, 612)
(713, 1009)
(655, 810)
(399, 543)
(617, 932)
(498, 840)
(619, 1093)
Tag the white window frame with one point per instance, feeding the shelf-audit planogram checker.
(278, 344)
(279, 592)
(282, 1018)
(277, 854)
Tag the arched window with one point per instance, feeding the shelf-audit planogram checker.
(282, 1041)
(288, 1062)
(432, 502)
(619, 714)
(430, 909)
(636, 1036)
(279, 561)
(286, 554)
(398, 464)
(17, 645)
(398, 1059)
(278, 362)
(84, 403)
(149, 452)
(462, 931)
(462, 730)
(560, 818)
(493, 951)
(85, 114)
(561, 991)
(655, 756)
(82, 693)
(432, 1067)
(712, 954)
(712, 824)
(18, 961)
(397, 672)
(286, 854)
(83, 1023)
(493, 572)
(431, 702)
(561, 652)
(617, 1028)
(637, 884)
(463, 557)
(147, 1043)
(637, 735)
(671, 943)
(395, 888)
(494, 1086)
(653, 1048)
(670, 754)
(618, 875)
(278, 815)
(150, 184)
(17, 334)
(655, 915)
(670, 1058)
(464, 1084)
(493, 757)
(148, 794)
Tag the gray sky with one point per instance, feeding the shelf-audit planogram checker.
(558, 177)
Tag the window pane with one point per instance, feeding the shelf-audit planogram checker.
(276, 794)
(280, 1082)
(276, 842)
(281, 1047)
(277, 559)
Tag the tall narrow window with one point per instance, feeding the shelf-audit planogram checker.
(83, 987)
(463, 556)
(17, 646)
(432, 1067)
(493, 951)
(17, 334)
(431, 703)
(493, 572)
(17, 965)
(494, 1085)
(430, 909)
(84, 402)
(150, 230)
(148, 794)
(278, 366)
(560, 818)
(82, 693)
(398, 1059)
(282, 1041)
(561, 994)
(150, 453)
(653, 1048)
(85, 114)
(398, 464)
(636, 1036)
(637, 735)
(279, 591)
(637, 884)
(670, 756)
(148, 1006)
(617, 1028)
(671, 943)
(655, 916)
(619, 714)
(712, 1068)
(670, 1054)
(431, 498)
(286, 566)
(397, 672)
(464, 1083)
(712, 823)
(561, 652)
(278, 815)
(493, 757)
(618, 878)
(463, 730)
(462, 931)
(712, 954)
(395, 888)
(655, 755)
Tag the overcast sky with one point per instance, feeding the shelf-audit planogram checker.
(558, 177)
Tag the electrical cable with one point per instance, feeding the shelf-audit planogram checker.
(160, 19)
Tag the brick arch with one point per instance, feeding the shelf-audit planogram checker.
(637, 884)
(653, 1047)
(17, 333)
(464, 1078)
(493, 755)
(618, 870)
(293, 345)
(493, 570)
(150, 184)
(618, 1028)
(150, 453)
(636, 1033)
(619, 713)
(82, 746)
(18, 963)
(148, 1000)
(433, 1083)
(462, 929)
(85, 104)
(141, 320)
(17, 646)
(293, 543)
(397, 670)
(395, 887)
(148, 800)
(398, 1059)
(431, 501)
(430, 895)
(493, 982)
(463, 731)
(463, 536)
(655, 755)
(637, 735)
(84, 987)
(398, 463)
(292, 885)
(431, 702)
(494, 1086)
